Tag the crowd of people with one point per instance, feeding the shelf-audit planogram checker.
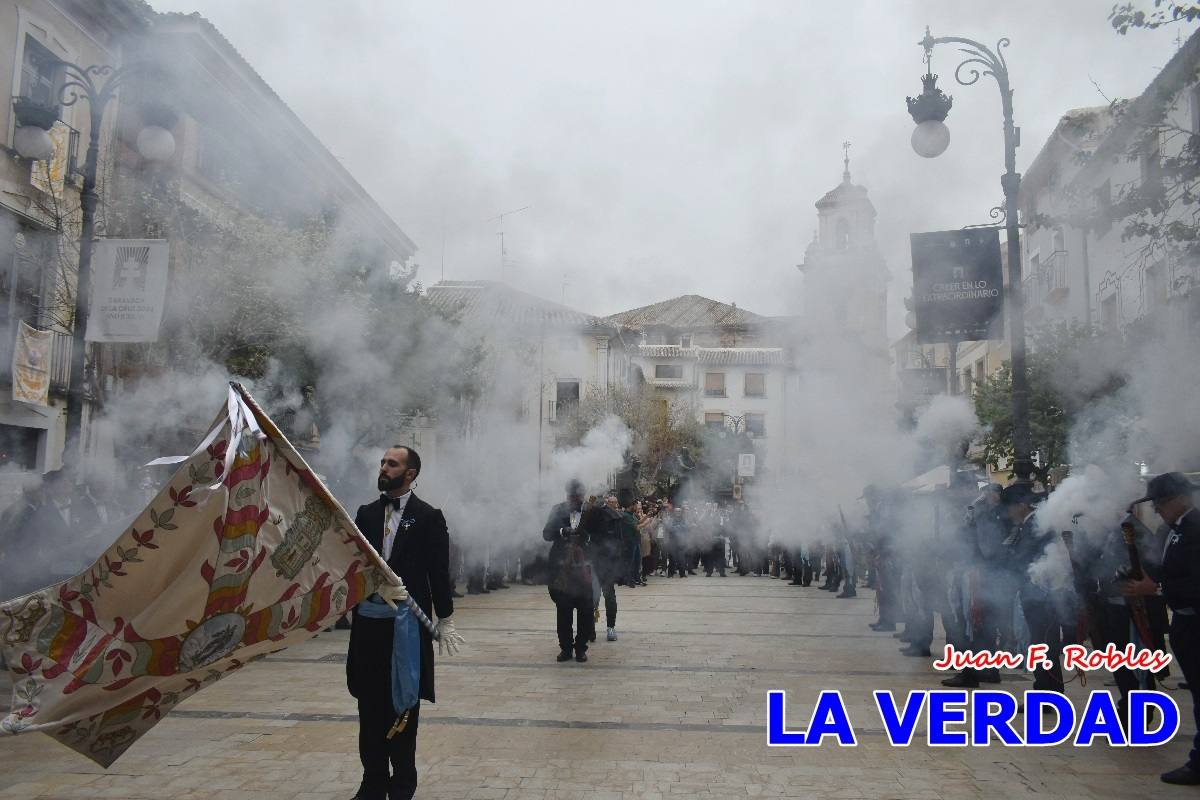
(55, 528)
(1000, 579)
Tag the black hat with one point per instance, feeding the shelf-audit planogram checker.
(575, 488)
(1019, 493)
(1166, 485)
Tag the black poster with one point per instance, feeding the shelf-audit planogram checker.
(958, 284)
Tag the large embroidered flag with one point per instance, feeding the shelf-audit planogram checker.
(243, 553)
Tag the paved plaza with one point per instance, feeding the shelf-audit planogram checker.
(675, 708)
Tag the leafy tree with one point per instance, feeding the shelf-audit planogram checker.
(667, 438)
(1125, 17)
(1066, 375)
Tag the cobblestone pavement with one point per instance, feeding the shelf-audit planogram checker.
(675, 708)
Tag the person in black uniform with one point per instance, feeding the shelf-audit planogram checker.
(411, 536)
(1179, 575)
(1027, 544)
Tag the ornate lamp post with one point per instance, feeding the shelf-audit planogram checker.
(155, 143)
(930, 139)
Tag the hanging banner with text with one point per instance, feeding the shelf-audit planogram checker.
(31, 365)
(958, 285)
(129, 286)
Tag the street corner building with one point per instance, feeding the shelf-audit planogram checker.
(241, 554)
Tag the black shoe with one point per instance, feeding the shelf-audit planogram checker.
(401, 792)
(581, 657)
(370, 793)
(915, 651)
(883, 627)
(963, 680)
(485, 590)
(1184, 776)
(844, 595)
(991, 675)
(474, 590)
(565, 655)
(455, 593)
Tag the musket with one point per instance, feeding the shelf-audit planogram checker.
(1088, 620)
(1137, 604)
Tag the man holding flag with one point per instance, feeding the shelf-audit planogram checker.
(389, 669)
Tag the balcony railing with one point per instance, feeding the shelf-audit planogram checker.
(1054, 277)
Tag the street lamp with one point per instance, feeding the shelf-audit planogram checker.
(929, 111)
(155, 143)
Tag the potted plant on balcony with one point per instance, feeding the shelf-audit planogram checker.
(31, 113)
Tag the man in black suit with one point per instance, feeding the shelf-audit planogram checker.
(1172, 496)
(570, 528)
(411, 536)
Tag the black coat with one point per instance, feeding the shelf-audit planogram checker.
(1180, 569)
(421, 557)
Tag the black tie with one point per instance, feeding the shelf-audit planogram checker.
(394, 502)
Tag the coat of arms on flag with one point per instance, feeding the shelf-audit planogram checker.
(243, 553)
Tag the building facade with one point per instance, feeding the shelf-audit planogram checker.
(1081, 263)
(724, 364)
(39, 200)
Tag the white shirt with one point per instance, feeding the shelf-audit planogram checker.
(391, 523)
(64, 510)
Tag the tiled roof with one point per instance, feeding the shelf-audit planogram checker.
(716, 356)
(687, 312)
(489, 301)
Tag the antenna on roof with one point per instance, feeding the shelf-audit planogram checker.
(500, 218)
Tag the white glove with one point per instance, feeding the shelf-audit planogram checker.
(449, 640)
(390, 593)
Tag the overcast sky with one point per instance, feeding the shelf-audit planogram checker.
(666, 147)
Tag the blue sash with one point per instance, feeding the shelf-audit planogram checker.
(406, 650)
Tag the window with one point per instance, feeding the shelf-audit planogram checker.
(1108, 312)
(1103, 198)
(714, 384)
(668, 372)
(714, 420)
(685, 341)
(756, 384)
(39, 73)
(842, 235)
(1194, 98)
(1154, 285)
(1151, 165)
(567, 395)
(19, 446)
(756, 424)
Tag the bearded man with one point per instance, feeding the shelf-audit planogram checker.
(411, 537)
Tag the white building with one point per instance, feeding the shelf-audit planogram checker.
(724, 362)
(1079, 263)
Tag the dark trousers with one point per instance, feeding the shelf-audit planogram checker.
(375, 750)
(1185, 644)
(1044, 628)
(585, 627)
(609, 589)
(1117, 624)
(714, 558)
